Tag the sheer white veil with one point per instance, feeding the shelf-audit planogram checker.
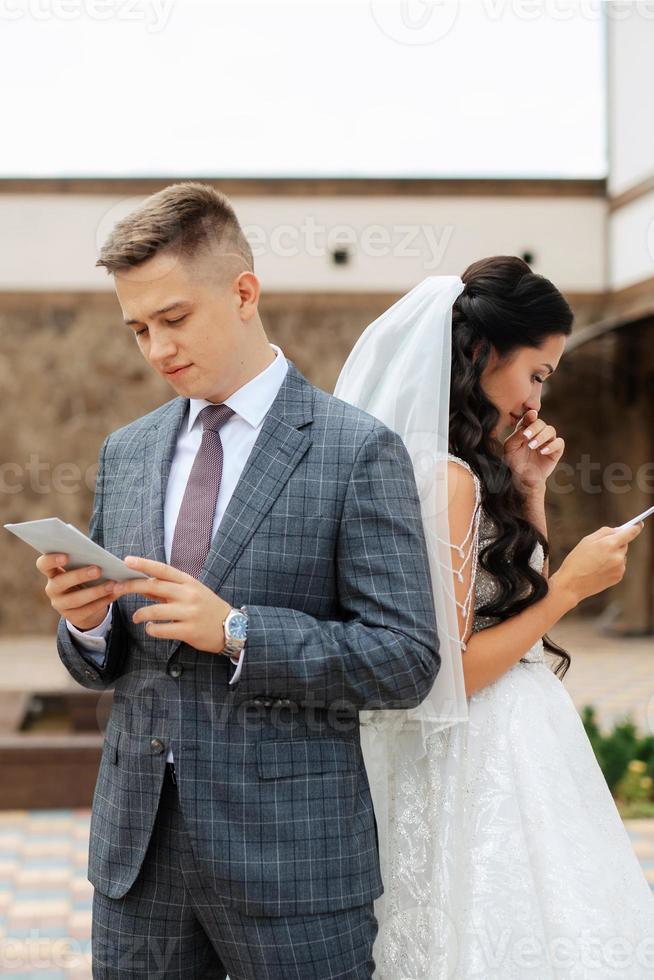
(399, 371)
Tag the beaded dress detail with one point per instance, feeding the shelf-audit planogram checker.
(532, 872)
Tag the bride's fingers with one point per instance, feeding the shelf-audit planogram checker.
(520, 438)
(539, 437)
(529, 418)
(555, 446)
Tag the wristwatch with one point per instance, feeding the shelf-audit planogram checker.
(235, 626)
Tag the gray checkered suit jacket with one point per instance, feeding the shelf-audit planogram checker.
(323, 542)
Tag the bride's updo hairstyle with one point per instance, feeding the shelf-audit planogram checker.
(504, 306)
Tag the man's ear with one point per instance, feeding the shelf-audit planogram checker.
(248, 290)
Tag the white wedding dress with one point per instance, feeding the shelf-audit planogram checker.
(533, 876)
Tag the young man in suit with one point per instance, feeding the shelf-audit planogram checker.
(288, 589)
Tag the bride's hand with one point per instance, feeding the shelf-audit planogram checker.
(529, 465)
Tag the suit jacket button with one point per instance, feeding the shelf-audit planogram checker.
(157, 745)
(285, 701)
(175, 670)
(267, 702)
(257, 701)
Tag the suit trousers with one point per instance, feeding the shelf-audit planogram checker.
(170, 925)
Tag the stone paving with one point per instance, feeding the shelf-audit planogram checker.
(46, 899)
(615, 674)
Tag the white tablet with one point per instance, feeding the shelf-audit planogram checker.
(51, 536)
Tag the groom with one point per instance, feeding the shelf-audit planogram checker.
(288, 588)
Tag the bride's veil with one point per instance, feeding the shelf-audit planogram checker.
(399, 371)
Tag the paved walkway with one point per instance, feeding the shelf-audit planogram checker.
(616, 675)
(45, 897)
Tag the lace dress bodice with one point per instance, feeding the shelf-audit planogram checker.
(483, 585)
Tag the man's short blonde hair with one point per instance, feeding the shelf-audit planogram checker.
(185, 218)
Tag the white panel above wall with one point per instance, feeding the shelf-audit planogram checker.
(253, 87)
(630, 95)
(50, 241)
(632, 242)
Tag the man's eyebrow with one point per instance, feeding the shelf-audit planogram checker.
(164, 309)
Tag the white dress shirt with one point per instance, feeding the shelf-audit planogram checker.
(238, 435)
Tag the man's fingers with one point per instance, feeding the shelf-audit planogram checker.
(158, 569)
(167, 611)
(83, 597)
(49, 565)
(148, 587)
(63, 581)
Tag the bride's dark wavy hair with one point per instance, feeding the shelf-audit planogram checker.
(504, 306)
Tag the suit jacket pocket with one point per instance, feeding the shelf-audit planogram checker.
(110, 745)
(278, 758)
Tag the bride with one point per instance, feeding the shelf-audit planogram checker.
(502, 851)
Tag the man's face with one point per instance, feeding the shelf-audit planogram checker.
(184, 317)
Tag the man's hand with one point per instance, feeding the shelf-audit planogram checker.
(191, 612)
(83, 607)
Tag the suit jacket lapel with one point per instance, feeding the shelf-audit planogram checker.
(279, 448)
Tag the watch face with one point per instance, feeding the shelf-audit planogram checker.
(238, 626)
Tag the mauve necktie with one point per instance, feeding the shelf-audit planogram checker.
(192, 537)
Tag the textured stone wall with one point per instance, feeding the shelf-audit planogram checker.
(70, 373)
(601, 399)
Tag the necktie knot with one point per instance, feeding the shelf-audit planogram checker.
(214, 416)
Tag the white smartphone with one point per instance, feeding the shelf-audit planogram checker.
(636, 520)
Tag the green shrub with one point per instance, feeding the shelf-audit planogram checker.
(625, 758)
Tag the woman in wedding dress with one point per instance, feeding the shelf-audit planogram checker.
(506, 857)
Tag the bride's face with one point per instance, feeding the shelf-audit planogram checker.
(515, 384)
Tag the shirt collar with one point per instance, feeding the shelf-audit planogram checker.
(252, 400)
